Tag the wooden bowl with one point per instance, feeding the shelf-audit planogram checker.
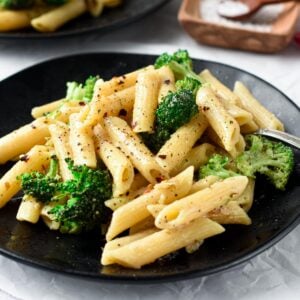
(239, 38)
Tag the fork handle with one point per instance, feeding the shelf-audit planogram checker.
(282, 136)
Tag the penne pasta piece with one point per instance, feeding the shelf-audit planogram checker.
(57, 17)
(262, 117)
(49, 218)
(145, 224)
(37, 159)
(160, 243)
(40, 111)
(18, 19)
(240, 115)
(203, 184)
(246, 199)
(136, 210)
(197, 157)
(81, 143)
(95, 7)
(29, 210)
(23, 139)
(231, 213)
(117, 163)
(121, 135)
(249, 127)
(117, 104)
(167, 85)
(123, 241)
(173, 152)
(60, 137)
(219, 119)
(146, 101)
(155, 209)
(219, 88)
(185, 210)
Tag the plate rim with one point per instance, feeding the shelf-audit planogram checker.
(62, 34)
(153, 279)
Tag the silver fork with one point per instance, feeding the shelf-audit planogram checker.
(282, 136)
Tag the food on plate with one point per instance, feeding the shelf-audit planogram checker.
(161, 157)
(47, 15)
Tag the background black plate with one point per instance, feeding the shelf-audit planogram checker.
(274, 213)
(129, 11)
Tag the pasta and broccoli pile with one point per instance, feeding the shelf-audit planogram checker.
(47, 15)
(163, 156)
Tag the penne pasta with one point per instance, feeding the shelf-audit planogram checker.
(81, 143)
(23, 139)
(167, 85)
(136, 210)
(117, 163)
(57, 17)
(122, 136)
(197, 157)
(262, 117)
(40, 111)
(159, 244)
(37, 159)
(219, 88)
(231, 213)
(60, 137)
(197, 205)
(145, 104)
(224, 125)
(29, 210)
(173, 152)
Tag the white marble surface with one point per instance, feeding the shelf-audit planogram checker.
(275, 274)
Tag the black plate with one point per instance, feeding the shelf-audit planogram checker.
(129, 11)
(274, 213)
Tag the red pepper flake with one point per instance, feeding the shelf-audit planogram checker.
(162, 156)
(33, 126)
(24, 157)
(81, 103)
(105, 115)
(121, 82)
(205, 108)
(159, 179)
(167, 81)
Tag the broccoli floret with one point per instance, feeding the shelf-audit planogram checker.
(81, 92)
(272, 159)
(154, 141)
(87, 192)
(180, 63)
(55, 2)
(42, 186)
(16, 4)
(217, 165)
(189, 84)
(176, 109)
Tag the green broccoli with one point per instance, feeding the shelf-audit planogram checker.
(154, 141)
(272, 159)
(86, 192)
(81, 92)
(217, 165)
(16, 4)
(180, 63)
(189, 84)
(176, 109)
(42, 186)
